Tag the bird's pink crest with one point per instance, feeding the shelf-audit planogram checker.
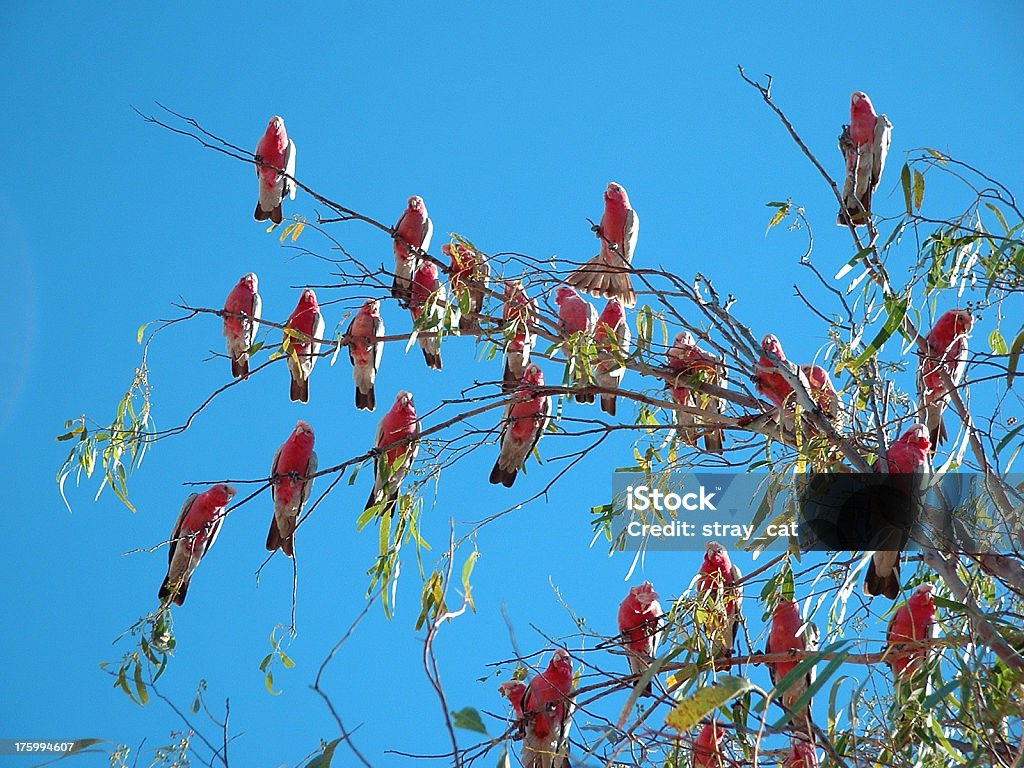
(308, 298)
(222, 493)
(251, 282)
(562, 293)
(644, 593)
(416, 203)
(533, 375)
(615, 193)
(770, 343)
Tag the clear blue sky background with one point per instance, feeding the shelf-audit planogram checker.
(509, 123)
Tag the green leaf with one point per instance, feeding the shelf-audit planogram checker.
(298, 230)
(140, 686)
(997, 343)
(781, 213)
(286, 661)
(897, 310)
(1011, 365)
(468, 719)
(141, 332)
(691, 710)
(905, 183)
(268, 683)
(998, 214)
(323, 760)
(918, 189)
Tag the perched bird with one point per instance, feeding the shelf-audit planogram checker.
(913, 621)
(788, 634)
(773, 385)
(427, 306)
(720, 599)
(514, 690)
(517, 314)
(548, 706)
(707, 747)
(908, 456)
(640, 628)
(801, 753)
(612, 341)
(194, 532)
(864, 144)
(413, 231)
(575, 316)
(240, 332)
(691, 365)
(607, 273)
(275, 153)
(947, 351)
(469, 275)
(392, 465)
(291, 480)
(526, 418)
(301, 343)
(365, 350)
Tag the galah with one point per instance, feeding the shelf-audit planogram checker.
(576, 318)
(773, 385)
(908, 456)
(514, 690)
(275, 153)
(427, 307)
(607, 273)
(365, 350)
(548, 706)
(691, 365)
(526, 418)
(720, 598)
(913, 621)
(947, 351)
(301, 344)
(640, 628)
(291, 480)
(241, 327)
(707, 747)
(864, 144)
(789, 634)
(392, 465)
(801, 753)
(517, 313)
(469, 274)
(194, 532)
(611, 338)
(413, 231)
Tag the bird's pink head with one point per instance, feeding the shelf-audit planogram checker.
(644, 594)
(561, 663)
(563, 293)
(513, 690)
(960, 321)
(308, 299)
(416, 204)
(786, 609)
(616, 194)
(426, 272)
(924, 593)
(684, 340)
(371, 307)
(250, 281)
(715, 554)
(404, 405)
(770, 343)
(861, 104)
(533, 375)
(221, 494)
(303, 428)
(612, 314)
(917, 436)
(275, 126)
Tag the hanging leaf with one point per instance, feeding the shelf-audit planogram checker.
(918, 189)
(468, 719)
(323, 760)
(691, 710)
(905, 183)
(997, 343)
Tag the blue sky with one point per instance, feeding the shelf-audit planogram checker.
(509, 122)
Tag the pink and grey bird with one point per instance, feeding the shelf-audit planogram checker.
(291, 481)
(427, 306)
(241, 326)
(611, 338)
(801, 753)
(413, 231)
(864, 144)
(469, 274)
(914, 621)
(390, 466)
(640, 628)
(301, 345)
(577, 319)
(194, 532)
(789, 634)
(707, 747)
(365, 350)
(719, 599)
(946, 351)
(275, 153)
(548, 705)
(607, 274)
(517, 313)
(773, 385)
(690, 365)
(908, 459)
(514, 690)
(526, 418)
